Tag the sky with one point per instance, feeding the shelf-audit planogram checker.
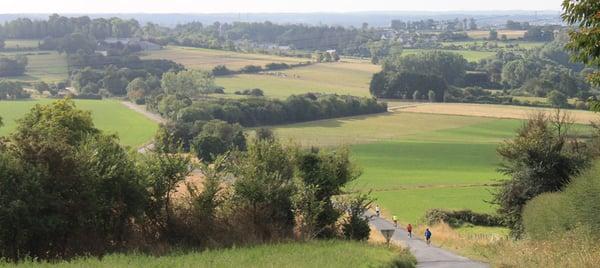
(255, 6)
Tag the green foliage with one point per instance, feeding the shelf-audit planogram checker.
(137, 90)
(329, 171)
(66, 189)
(356, 223)
(539, 159)
(584, 41)
(263, 189)
(13, 66)
(547, 216)
(218, 137)
(458, 218)
(451, 67)
(405, 85)
(584, 201)
(164, 171)
(187, 83)
(558, 99)
(10, 90)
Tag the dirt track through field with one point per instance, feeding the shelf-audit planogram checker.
(487, 110)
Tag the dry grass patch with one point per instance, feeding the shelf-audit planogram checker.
(489, 110)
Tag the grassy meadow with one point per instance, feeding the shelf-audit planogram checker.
(312, 254)
(21, 43)
(412, 161)
(469, 55)
(109, 115)
(47, 66)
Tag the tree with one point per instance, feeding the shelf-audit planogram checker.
(451, 67)
(136, 90)
(493, 35)
(164, 172)
(583, 15)
(13, 66)
(218, 137)
(356, 223)
(41, 87)
(431, 96)
(329, 171)
(64, 183)
(558, 99)
(11, 90)
(541, 158)
(187, 83)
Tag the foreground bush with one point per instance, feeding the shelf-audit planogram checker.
(547, 215)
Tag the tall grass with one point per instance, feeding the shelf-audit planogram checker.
(311, 254)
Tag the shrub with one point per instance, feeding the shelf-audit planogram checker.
(221, 70)
(356, 224)
(547, 214)
(460, 217)
(249, 69)
(583, 198)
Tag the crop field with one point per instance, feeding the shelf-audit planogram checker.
(48, 66)
(501, 44)
(322, 253)
(109, 115)
(487, 110)
(510, 34)
(21, 43)
(341, 77)
(468, 54)
(413, 162)
(207, 59)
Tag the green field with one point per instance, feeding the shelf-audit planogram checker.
(48, 66)
(109, 115)
(312, 254)
(206, 59)
(414, 162)
(468, 54)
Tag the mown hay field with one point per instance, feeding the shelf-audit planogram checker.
(346, 77)
(207, 59)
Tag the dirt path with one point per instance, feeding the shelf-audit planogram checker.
(152, 116)
(427, 256)
(140, 109)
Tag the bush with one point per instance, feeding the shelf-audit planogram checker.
(583, 198)
(547, 215)
(249, 69)
(356, 224)
(460, 217)
(221, 70)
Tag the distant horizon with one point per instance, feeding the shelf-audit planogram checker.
(287, 12)
(268, 6)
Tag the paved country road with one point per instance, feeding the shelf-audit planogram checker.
(427, 256)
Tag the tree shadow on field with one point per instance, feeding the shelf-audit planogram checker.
(336, 122)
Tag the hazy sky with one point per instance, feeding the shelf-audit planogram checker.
(248, 6)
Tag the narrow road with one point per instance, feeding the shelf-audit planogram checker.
(427, 256)
(140, 109)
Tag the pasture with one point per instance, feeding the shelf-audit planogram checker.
(412, 161)
(323, 253)
(110, 116)
(207, 59)
(469, 55)
(47, 66)
(500, 44)
(347, 77)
